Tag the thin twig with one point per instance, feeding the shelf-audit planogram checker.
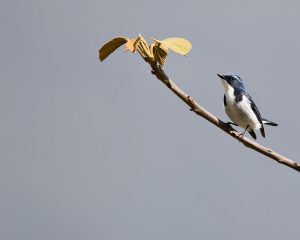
(195, 107)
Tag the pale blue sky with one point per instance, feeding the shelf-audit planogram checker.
(92, 150)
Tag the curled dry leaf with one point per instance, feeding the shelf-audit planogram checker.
(111, 46)
(160, 52)
(144, 49)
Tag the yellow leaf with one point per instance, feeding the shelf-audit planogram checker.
(111, 46)
(178, 45)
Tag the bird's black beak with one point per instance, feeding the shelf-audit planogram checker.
(221, 76)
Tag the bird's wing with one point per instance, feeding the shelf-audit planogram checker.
(254, 108)
(257, 113)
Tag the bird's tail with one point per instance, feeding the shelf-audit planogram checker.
(267, 122)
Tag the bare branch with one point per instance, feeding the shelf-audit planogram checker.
(195, 107)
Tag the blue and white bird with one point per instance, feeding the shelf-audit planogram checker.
(240, 107)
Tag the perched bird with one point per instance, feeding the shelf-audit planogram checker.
(240, 107)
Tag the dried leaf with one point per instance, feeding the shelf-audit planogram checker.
(111, 46)
(160, 52)
(178, 45)
(143, 49)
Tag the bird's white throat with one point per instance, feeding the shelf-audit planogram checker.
(229, 91)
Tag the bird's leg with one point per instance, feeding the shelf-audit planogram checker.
(243, 133)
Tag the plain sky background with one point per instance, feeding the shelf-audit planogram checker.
(92, 150)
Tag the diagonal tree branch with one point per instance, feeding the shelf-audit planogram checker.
(155, 55)
(161, 75)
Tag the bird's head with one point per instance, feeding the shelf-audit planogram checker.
(231, 81)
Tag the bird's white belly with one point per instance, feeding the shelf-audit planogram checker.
(242, 114)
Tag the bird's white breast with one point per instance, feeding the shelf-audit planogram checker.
(240, 112)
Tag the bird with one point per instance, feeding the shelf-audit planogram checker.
(240, 107)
